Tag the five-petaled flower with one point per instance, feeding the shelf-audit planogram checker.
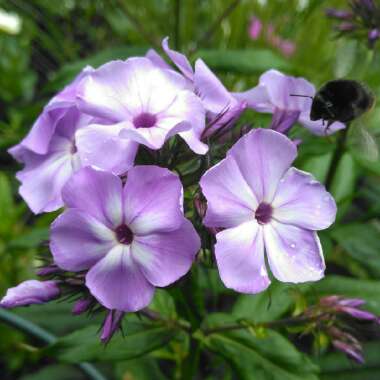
(145, 103)
(263, 203)
(129, 238)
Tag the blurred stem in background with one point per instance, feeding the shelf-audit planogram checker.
(44, 336)
(338, 153)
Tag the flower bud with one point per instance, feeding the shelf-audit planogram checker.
(30, 292)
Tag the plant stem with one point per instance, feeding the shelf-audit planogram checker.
(44, 336)
(177, 23)
(138, 25)
(335, 160)
(292, 321)
(211, 30)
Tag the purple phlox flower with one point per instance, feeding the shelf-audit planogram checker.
(221, 106)
(29, 293)
(353, 351)
(145, 103)
(263, 203)
(82, 305)
(125, 237)
(111, 324)
(255, 28)
(373, 36)
(57, 146)
(341, 14)
(273, 95)
(348, 306)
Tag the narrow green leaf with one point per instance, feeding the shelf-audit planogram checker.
(84, 345)
(271, 357)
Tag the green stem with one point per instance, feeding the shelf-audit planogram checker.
(44, 336)
(292, 321)
(335, 160)
(177, 23)
(214, 26)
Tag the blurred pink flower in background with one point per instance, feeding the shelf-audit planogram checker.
(256, 27)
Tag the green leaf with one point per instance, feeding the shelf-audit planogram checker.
(247, 61)
(361, 242)
(272, 357)
(163, 303)
(367, 290)
(336, 366)
(84, 345)
(56, 372)
(31, 239)
(343, 185)
(144, 368)
(6, 205)
(265, 306)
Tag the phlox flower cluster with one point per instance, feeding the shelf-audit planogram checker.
(110, 150)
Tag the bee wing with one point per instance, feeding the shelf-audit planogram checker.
(363, 142)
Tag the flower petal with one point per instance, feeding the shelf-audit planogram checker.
(78, 241)
(95, 142)
(157, 59)
(280, 87)
(117, 283)
(178, 59)
(256, 98)
(319, 127)
(230, 201)
(165, 257)
(96, 192)
(29, 293)
(294, 254)
(152, 200)
(263, 156)
(239, 254)
(44, 176)
(302, 201)
(210, 89)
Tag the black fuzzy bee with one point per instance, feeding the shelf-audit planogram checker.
(341, 100)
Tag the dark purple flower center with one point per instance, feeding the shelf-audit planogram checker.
(263, 213)
(144, 120)
(73, 148)
(123, 234)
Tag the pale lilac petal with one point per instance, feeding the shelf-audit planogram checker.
(157, 59)
(152, 200)
(117, 283)
(29, 293)
(192, 138)
(39, 137)
(44, 176)
(165, 257)
(210, 89)
(239, 254)
(230, 201)
(78, 240)
(280, 87)
(101, 146)
(283, 120)
(178, 59)
(294, 254)
(256, 98)
(155, 137)
(302, 201)
(96, 192)
(319, 127)
(263, 157)
(106, 92)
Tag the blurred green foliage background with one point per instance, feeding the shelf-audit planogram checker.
(58, 38)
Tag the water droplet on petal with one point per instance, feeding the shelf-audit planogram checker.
(292, 245)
